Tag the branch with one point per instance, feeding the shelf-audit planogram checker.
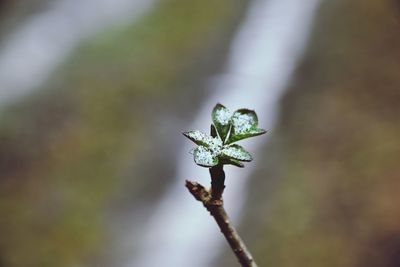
(213, 202)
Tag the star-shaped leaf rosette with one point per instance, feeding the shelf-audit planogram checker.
(226, 129)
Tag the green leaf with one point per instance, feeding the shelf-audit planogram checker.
(221, 117)
(244, 125)
(236, 152)
(251, 133)
(199, 138)
(234, 162)
(244, 120)
(205, 157)
(213, 131)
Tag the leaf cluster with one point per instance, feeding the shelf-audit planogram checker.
(227, 128)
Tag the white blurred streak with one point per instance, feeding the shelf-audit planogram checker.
(30, 54)
(262, 59)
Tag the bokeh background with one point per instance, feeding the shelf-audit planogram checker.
(89, 143)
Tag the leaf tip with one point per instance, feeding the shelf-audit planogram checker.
(219, 105)
(262, 131)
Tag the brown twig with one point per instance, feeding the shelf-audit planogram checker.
(212, 201)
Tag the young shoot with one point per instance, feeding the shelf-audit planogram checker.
(216, 150)
(226, 129)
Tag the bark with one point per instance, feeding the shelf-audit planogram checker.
(213, 202)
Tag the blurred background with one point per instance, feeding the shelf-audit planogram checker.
(94, 96)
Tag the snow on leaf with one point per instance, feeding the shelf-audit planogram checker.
(221, 117)
(244, 120)
(226, 129)
(244, 125)
(251, 133)
(199, 138)
(215, 145)
(236, 152)
(205, 157)
(256, 132)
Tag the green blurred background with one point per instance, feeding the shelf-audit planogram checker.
(99, 137)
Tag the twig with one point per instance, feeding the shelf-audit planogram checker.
(212, 201)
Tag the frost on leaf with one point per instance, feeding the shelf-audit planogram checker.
(244, 125)
(202, 139)
(199, 138)
(221, 117)
(227, 128)
(205, 157)
(244, 120)
(236, 152)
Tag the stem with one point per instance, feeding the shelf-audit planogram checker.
(212, 201)
(217, 184)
